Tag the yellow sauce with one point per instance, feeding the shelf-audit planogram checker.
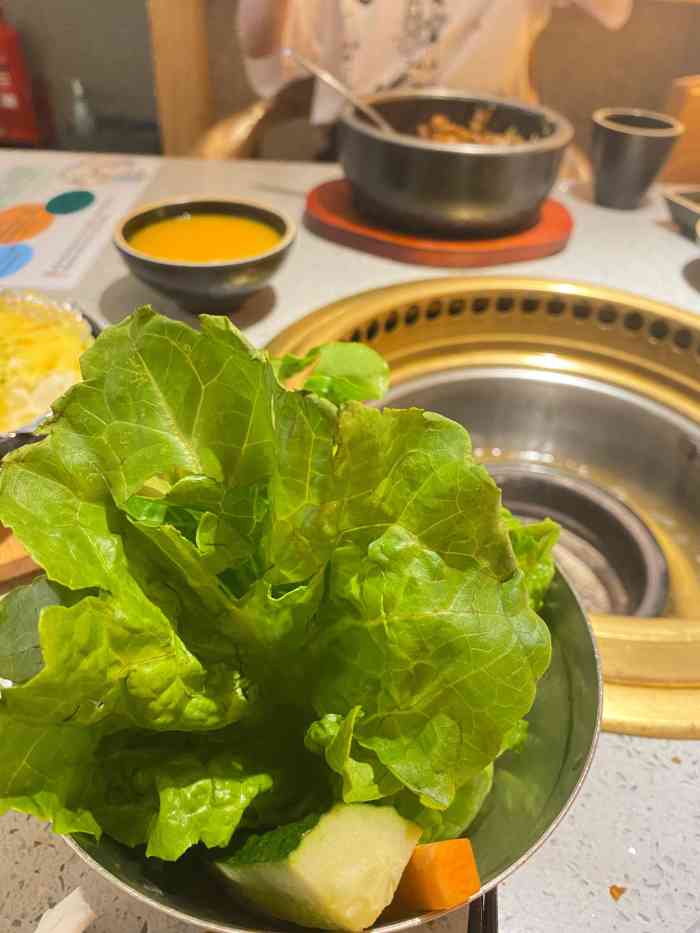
(40, 348)
(205, 238)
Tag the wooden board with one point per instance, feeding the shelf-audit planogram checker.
(330, 213)
(14, 560)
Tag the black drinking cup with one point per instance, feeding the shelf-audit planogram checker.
(629, 148)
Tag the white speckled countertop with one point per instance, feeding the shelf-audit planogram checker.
(636, 823)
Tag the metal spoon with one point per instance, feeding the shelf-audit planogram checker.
(341, 89)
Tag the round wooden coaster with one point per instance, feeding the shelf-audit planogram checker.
(330, 213)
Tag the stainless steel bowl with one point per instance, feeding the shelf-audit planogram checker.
(462, 189)
(532, 791)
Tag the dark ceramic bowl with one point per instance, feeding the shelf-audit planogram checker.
(683, 202)
(449, 189)
(205, 286)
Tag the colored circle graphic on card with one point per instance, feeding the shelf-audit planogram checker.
(13, 258)
(22, 222)
(70, 202)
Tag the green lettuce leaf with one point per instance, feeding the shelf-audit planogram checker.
(341, 372)
(348, 372)
(415, 469)
(20, 650)
(533, 545)
(46, 770)
(290, 365)
(364, 778)
(172, 791)
(104, 667)
(257, 600)
(274, 846)
(478, 651)
(456, 819)
(175, 800)
(153, 402)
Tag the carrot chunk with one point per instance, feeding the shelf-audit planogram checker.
(438, 876)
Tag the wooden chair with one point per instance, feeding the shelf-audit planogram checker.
(184, 93)
(183, 88)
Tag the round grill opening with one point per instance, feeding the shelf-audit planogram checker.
(608, 553)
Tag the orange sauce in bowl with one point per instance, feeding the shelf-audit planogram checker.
(205, 238)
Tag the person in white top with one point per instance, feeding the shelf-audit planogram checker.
(483, 46)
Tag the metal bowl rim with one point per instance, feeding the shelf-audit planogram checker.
(286, 239)
(395, 927)
(559, 139)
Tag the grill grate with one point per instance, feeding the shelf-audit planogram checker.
(547, 316)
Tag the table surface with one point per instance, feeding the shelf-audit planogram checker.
(636, 823)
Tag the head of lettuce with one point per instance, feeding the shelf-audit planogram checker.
(257, 601)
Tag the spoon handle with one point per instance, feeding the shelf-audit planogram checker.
(340, 88)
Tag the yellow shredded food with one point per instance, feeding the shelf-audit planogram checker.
(40, 348)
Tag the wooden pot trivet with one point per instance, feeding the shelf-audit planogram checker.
(331, 213)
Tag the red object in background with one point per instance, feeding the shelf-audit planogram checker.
(19, 120)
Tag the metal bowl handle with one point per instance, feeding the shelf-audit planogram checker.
(483, 913)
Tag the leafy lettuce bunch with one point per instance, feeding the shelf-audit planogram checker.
(256, 600)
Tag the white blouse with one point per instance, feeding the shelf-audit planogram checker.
(471, 45)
